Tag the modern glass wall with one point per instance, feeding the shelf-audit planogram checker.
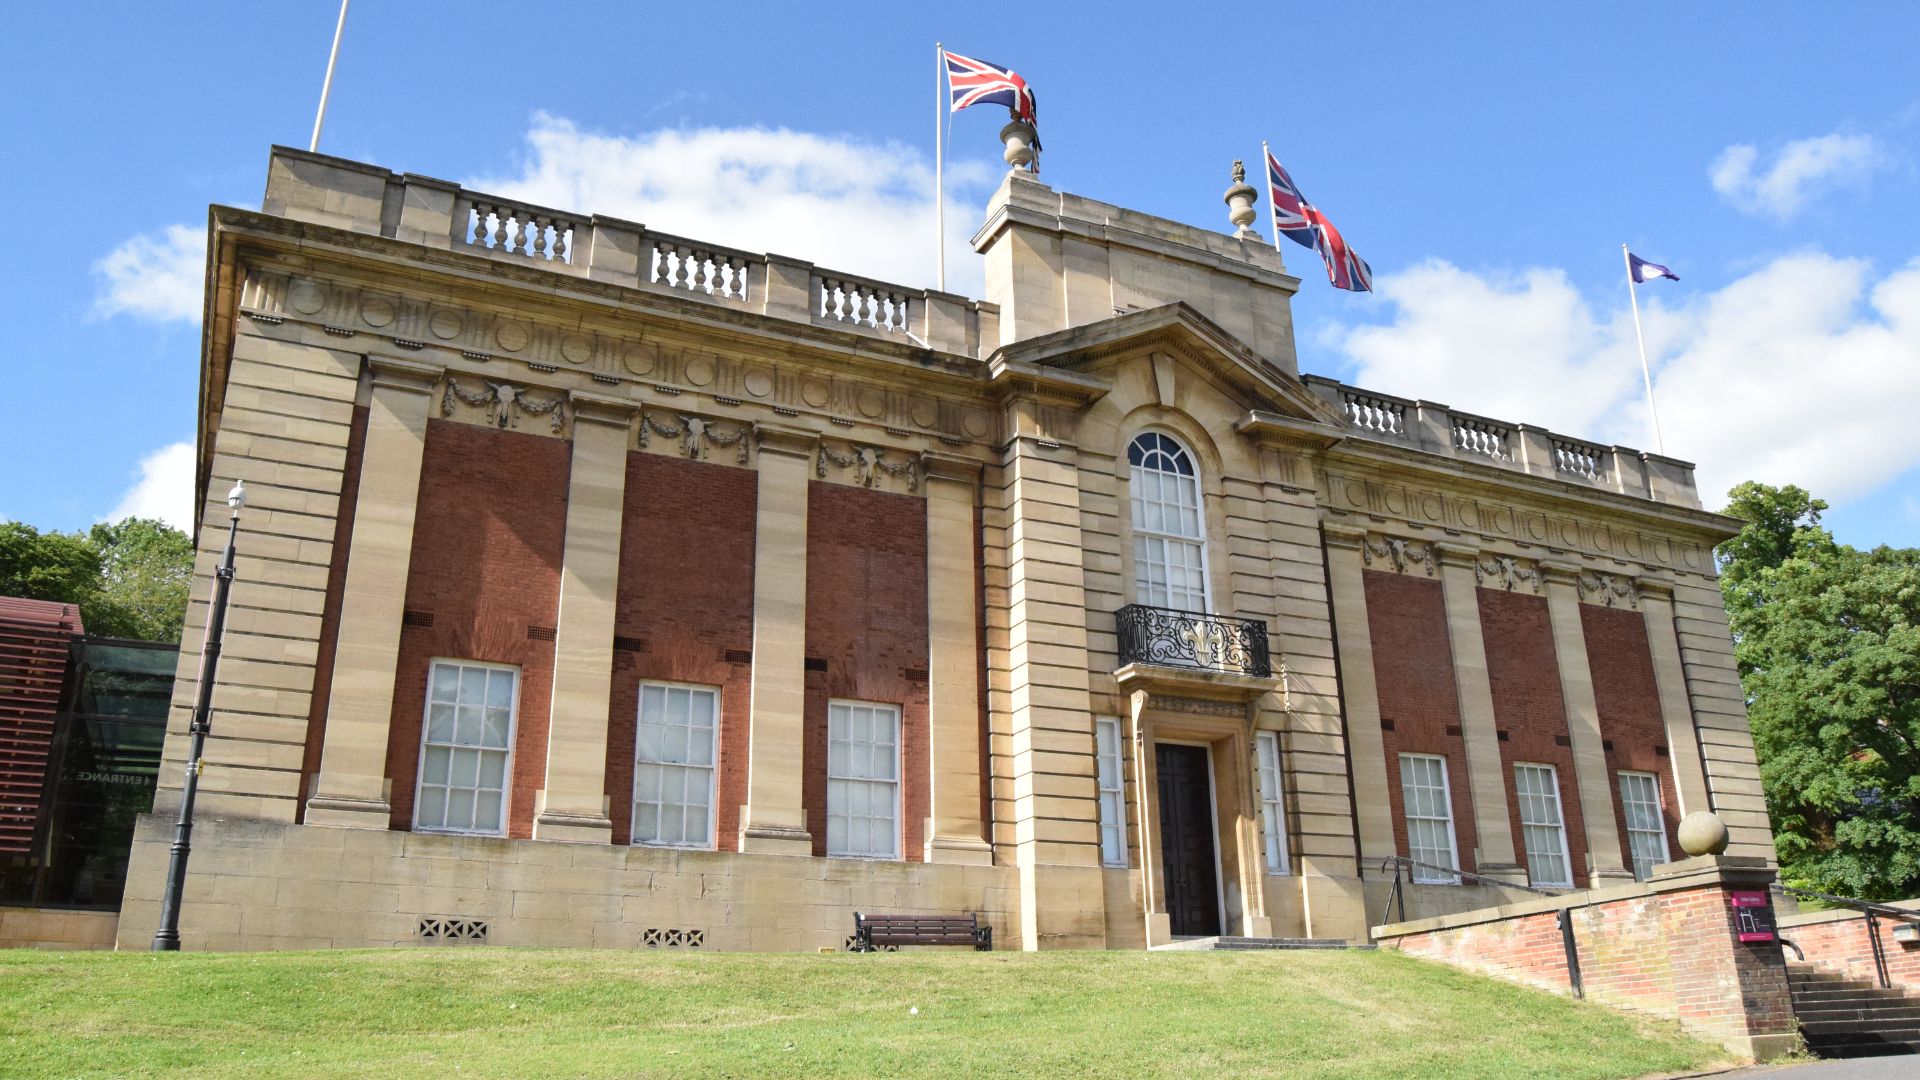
(106, 756)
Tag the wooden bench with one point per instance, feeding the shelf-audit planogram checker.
(874, 932)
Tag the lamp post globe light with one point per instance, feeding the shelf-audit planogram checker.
(167, 937)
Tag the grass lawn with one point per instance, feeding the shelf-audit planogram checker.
(520, 1013)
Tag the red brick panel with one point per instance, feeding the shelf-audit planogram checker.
(488, 539)
(330, 612)
(1413, 673)
(1844, 947)
(685, 602)
(867, 619)
(1529, 710)
(1629, 704)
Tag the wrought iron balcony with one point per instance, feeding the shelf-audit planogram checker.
(1193, 639)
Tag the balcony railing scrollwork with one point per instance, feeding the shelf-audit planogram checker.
(1192, 639)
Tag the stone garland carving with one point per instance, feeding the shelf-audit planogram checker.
(1608, 588)
(1401, 552)
(694, 433)
(1505, 569)
(871, 461)
(507, 402)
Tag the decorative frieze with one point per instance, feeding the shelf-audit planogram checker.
(505, 403)
(1497, 519)
(1199, 706)
(1505, 571)
(1613, 590)
(695, 433)
(869, 463)
(269, 296)
(1400, 552)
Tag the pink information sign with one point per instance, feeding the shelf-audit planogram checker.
(1752, 914)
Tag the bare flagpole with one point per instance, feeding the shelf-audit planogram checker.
(1646, 373)
(939, 163)
(327, 86)
(1267, 171)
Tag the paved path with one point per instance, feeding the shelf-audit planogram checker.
(1897, 1067)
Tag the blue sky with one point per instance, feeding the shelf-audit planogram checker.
(1488, 160)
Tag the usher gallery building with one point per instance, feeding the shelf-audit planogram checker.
(601, 586)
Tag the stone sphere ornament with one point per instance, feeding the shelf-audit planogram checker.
(1703, 833)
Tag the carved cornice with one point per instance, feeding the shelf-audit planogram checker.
(1559, 573)
(1347, 537)
(600, 409)
(791, 442)
(695, 433)
(1463, 556)
(949, 467)
(1655, 590)
(394, 373)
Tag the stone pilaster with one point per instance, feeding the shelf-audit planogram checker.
(573, 805)
(955, 831)
(351, 788)
(1605, 859)
(1373, 800)
(1683, 743)
(774, 821)
(1055, 805)
(1486, 774)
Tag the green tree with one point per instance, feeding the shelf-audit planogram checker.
(1827, 638)
(146, 569)
(130, 578)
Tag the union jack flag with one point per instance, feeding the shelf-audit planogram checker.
(1303, 223)
(972, 82)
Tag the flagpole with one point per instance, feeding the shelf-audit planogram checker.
(1267, 171)
(939, 165)
(326, 87)
(1646, 373)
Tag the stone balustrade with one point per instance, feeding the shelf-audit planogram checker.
(1438, 429)
(434, 213)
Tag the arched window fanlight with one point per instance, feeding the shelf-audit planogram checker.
(1169, 537)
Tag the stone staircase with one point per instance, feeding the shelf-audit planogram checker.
(1246, 944)
(1844, 1017)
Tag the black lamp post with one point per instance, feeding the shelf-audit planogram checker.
(167, 937)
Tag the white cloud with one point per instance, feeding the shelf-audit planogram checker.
(852, 205)
(164, 490)
(155, 276)
(1801, 169)
(1802, 372)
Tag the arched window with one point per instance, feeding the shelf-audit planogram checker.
(1169, 541)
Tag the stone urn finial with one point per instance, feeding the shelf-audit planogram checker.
(1703, 833)
(1240, 203)
(1019, 137)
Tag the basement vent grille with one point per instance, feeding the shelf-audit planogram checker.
(417, 618)
(1660, 751)
(449, 930)
(654, 938)
(540, 633)
(632, 644)
(914, 674)
(1386, 725)
(1607, 745)
(1505, 736)
(816, 663)
(1562, 740)
(1453, 729)
(847, 945)
(739, 656)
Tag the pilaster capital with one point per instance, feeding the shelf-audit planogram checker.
(951, 468)
(1340, 535)
(1659, 590)
(591, 408)
(785, 441)
(1559, 573)
(393, 373)
(1450, 554)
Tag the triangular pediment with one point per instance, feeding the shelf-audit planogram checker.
(1273, 397)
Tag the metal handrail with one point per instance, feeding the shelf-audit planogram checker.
(1874, 912)
(1396, 898)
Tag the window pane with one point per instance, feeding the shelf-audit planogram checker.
(460, 808)
(434, 769)
(486, 810)
(439, 723)
(432, 811)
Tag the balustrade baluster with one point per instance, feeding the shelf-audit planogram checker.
(499, 233)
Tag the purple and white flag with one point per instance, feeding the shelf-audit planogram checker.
(1644, 271)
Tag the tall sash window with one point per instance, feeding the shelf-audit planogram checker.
(1169, 543)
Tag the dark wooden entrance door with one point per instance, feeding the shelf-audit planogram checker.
(1186, 840)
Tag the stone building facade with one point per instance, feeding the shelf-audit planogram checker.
(605, 587)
